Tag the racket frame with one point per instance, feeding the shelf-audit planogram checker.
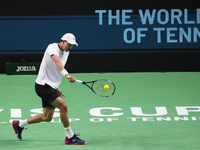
(92, 82)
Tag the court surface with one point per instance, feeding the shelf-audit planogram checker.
(149, 111)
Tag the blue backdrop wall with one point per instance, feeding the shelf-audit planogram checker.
(129, 36)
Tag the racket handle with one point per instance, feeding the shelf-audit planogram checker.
(79, 81)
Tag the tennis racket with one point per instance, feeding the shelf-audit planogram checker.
(101, 87)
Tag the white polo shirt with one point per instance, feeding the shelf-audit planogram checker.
(48, 72)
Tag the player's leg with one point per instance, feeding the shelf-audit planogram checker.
(60, 103)
(71, 138)
(47, 115)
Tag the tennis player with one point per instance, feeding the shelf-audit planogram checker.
(47, 87)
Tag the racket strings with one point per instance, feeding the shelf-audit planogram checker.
(99, 89)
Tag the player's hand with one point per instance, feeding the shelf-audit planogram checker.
(71, 79)
(60, 93)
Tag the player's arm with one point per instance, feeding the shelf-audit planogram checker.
(61, 68)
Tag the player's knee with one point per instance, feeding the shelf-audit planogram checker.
(47, 118)
(63, 107)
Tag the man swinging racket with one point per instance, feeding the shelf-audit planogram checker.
(47, 87)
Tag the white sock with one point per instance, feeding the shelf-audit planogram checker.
(23, 123)
(69, 132)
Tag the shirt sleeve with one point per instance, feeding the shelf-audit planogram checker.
(51, 49)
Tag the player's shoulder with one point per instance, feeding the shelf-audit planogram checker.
(53, 45)
(52, 48)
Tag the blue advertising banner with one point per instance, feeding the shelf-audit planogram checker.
(105, 30)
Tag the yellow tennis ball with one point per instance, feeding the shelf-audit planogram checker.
(106, 87)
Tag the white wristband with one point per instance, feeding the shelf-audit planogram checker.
(64, 72)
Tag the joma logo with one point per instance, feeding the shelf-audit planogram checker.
(25, 68)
